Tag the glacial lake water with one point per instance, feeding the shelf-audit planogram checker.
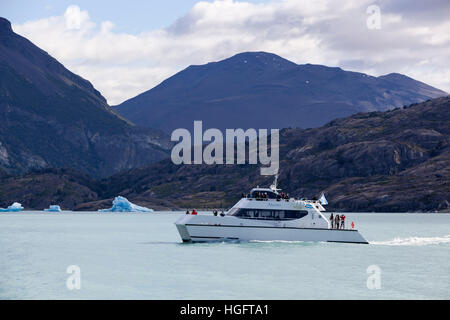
(140, 256)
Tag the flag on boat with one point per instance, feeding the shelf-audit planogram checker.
(323, 200)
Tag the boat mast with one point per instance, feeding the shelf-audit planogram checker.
(275, 183)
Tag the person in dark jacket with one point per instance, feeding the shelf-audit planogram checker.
(332, 220)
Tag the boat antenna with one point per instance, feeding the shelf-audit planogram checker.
(275, 183)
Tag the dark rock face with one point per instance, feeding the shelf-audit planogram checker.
(50, 117)
(52, 186)
(392, 161)
(263, 90)
(5, 26)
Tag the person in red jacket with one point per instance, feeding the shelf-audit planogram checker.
(342, 221)
(194, 212)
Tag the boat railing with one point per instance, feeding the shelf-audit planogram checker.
(285, 200)
(270, 199)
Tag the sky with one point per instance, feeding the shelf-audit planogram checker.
(127, 47)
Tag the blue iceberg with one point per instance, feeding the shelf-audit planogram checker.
(53, 208)
(121, 204)
(15, 207)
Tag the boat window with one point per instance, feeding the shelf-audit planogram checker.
(297, 214)
(265, 214)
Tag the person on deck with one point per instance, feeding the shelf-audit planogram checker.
(336, 221)
(194, 212)
(187, 211)
(332, 220)
(342, 221)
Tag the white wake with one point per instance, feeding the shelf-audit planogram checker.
(414, 241)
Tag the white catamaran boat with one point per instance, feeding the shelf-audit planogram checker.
(263, 215)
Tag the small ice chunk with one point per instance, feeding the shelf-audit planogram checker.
(15, 207)
(53, 208)
(121, 204)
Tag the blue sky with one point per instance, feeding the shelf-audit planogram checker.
(132, 16)
(127, 47)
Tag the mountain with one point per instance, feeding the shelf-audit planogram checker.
(263, 90)
(396, 160)
(51, 117)
(392, 161)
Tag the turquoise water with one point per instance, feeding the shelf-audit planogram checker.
(140, 256)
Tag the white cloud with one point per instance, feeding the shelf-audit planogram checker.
(333, 33)
(74, 17)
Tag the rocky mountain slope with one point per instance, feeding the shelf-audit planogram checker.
(263, 90)
(38, 190)
(396, 160)
(50, 117)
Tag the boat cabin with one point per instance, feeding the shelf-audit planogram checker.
(261, 193)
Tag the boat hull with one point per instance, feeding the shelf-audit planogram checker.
(191, 232)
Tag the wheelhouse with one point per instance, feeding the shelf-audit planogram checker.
(262, 192)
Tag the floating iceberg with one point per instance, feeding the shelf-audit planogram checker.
(53, 208)
(121, 204)
(15, 207)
